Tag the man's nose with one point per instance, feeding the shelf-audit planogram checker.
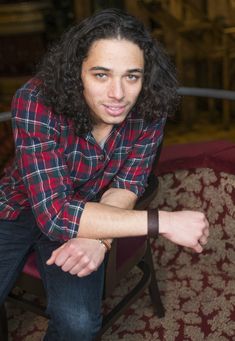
(116, 90)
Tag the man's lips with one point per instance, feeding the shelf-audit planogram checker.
(115, 110)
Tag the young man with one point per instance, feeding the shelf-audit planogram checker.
(86, 131)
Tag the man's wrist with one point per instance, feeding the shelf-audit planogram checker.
(164, 221)
(153, 222)
(106, 243)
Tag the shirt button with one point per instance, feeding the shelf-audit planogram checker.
(101, 157)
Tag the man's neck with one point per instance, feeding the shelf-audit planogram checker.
(101, 133)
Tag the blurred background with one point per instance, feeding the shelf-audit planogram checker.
(199, 36)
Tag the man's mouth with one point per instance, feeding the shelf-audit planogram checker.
(115, 110)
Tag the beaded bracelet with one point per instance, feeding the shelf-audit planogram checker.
(106, 244)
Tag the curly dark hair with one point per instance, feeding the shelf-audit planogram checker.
(60, 70)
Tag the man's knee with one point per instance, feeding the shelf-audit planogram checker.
(78, 325)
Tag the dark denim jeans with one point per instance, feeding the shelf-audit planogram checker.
(73, 303)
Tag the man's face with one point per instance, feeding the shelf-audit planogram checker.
(112, 76)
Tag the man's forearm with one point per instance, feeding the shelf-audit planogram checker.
(114, 217)
(105, 221)
(186, 228)
(118, 198)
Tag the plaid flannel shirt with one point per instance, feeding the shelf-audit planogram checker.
(55, 172)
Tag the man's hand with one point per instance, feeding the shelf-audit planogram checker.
(78, 256)
(186, 228)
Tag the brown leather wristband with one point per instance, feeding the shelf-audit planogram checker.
(153, 223)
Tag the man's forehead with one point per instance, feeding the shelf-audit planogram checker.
(109, 53)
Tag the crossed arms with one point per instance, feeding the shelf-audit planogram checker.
(113, 217)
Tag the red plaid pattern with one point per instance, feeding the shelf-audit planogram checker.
(55, 172)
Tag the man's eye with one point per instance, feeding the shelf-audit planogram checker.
(100, 75)
(133, 77)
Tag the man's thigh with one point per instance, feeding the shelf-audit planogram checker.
(16, 239)
(70, 299)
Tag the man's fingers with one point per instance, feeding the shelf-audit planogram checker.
(80, 271)
(203, 240)
(198, 248)
(52, 259)
(54, 255)
(84, 268)
(69, 264)
(85, 272)
(206, 232)
(61, 258)
(77, 263)
(78, 256)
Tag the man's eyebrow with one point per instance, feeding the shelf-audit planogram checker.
(94, 68)
(102, 68)
(135, 70)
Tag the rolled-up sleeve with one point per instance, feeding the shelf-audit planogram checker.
(45, 175)
(134, 173)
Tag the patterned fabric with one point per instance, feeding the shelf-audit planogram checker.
(56, 172)
(198, 290)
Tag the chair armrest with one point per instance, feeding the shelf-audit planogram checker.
(110, 272)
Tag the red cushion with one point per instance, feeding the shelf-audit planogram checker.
(30, 267)
(218, 155)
